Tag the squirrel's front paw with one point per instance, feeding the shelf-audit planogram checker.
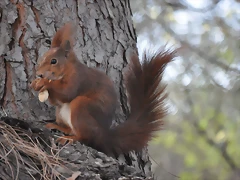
(50, 126)
(39, 84)
(33, 84)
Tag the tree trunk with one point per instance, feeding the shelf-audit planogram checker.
(105, 38)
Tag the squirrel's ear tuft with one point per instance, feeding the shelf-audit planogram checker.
(64, 34)
(57, 39)
(66, 47)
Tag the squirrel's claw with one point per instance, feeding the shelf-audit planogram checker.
(64, 139)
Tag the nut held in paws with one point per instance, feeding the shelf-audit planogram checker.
(43, 96)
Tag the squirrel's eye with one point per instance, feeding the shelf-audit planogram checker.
(53, 61)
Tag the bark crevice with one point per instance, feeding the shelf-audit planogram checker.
(102, 41)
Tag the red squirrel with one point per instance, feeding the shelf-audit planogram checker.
(86, 100)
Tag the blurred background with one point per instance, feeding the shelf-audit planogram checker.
(201, 136)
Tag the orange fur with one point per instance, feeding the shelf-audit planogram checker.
(86, 100)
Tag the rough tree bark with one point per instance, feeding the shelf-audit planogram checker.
(105, 38)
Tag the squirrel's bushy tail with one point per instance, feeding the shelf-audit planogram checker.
(146, 95)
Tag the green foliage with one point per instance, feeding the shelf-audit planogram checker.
(227, 55)
(190, 159)
(189, 176)
(198, 154)
(208, 117)
(203, 124)
(168, 138)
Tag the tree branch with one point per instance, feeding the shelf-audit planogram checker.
(27, 152)
(196, 50)
(183, 5)
(203, 133)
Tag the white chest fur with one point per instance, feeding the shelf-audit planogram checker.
(65, 114)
